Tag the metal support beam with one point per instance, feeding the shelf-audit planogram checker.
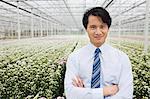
(18, 21)
(71, 14)
(119, 27)
(41, 27)
(109, 3)
(146, 26)
(53, 19)
(32, 34)
(47, 28)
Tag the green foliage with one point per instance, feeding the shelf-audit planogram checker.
(38, 75)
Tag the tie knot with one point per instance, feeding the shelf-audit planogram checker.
(97, 51)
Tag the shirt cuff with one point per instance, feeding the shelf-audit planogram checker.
(97, 93)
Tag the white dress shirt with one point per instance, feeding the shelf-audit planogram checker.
(115, 69)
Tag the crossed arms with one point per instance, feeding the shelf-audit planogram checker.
(75, 89)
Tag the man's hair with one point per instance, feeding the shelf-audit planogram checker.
(99, 12)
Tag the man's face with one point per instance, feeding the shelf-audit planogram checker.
(97, 30)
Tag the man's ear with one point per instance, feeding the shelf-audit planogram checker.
(85, 29)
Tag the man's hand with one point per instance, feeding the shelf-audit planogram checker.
(107, 90)
(78, 82)
(110, 90)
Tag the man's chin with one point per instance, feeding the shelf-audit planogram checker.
(98, 44)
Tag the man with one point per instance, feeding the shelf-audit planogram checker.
(97, 70)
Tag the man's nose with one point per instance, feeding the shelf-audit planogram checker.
(98, 31)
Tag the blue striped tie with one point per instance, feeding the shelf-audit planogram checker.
(95, 82)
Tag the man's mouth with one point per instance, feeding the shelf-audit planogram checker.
(98, 37)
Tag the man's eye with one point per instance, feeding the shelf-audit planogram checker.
(93, 27)
(102, 26)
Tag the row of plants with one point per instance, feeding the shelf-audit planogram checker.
(10, 53)
(40, 74)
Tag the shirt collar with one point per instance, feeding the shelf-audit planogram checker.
(92, 48)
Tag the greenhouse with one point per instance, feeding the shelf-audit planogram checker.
(37, 37)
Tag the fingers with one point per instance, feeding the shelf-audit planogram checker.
(115, 89)
(110, 90)
(75, 83)
(78, 82)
